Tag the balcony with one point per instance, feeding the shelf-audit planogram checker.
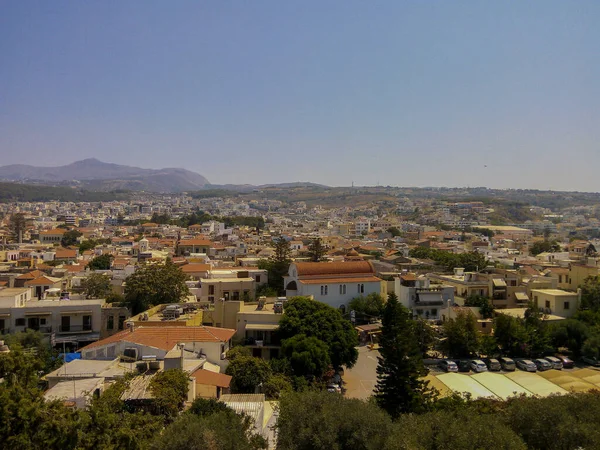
(74, 328)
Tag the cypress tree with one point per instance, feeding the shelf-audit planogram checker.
(400, 388)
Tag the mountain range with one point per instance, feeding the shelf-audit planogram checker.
(96, 175)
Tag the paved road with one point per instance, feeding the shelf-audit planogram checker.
(361, 379)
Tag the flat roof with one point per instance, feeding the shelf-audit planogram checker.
(500, 228)
(555, 292)
(262, 326)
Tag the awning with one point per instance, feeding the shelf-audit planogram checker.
(41, 313)
(65, 313)
(262, 326)
(498, 282)
(521, 296)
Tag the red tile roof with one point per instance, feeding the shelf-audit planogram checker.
(203, 376)
(53, 232)
(334, 268)
(31, 275)
(195, 267)
(41, 281)
(205, 242)
(166, 338)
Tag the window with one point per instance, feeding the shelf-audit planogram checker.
(226, 295)
(121, 322)
(258, 278)
(361, 288)
(20, 322)
(110, 323)
(211, 289)
(42, 321)
(547, 303)
(323, 290)
(434, 312)
(567, 305)
(235, 295)
(483, 324)
(87, 323)
(560, 278)
(343, 289)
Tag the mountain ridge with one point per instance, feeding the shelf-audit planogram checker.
(95, 174)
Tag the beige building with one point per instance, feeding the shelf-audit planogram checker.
(556, 301)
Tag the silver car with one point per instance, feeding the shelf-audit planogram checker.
(527, 365)
(554, 362)
(478, 366)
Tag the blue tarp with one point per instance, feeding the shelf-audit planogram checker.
(68, 357)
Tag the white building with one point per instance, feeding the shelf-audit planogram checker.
(423, 299)
(333, 283)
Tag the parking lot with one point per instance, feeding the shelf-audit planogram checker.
(362, 378)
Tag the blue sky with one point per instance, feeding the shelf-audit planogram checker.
(389, 92)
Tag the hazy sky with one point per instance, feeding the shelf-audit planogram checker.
(420, 93)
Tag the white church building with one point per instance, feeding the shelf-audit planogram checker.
(333, 283)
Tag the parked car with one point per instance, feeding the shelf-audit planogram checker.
(478, 366)
(493, 364)
(527, 365)
(592, 361)
(567, 362)
(463, 365)
(542, 364)
(448, 365)
(507, 364)
(554, 362)
(334, 388)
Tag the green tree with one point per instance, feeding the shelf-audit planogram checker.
(247, 373)
(320, 420)
(96, 285)
(222, 430)
(543, 247)
(102, 262)
(315, 319)
(483, 303)
(394, 231)
(17, 226)
(367, 307)
(591, 347)
(276, 385)
(461, 336)
(590, 293)
(308, 356)
(70, 238)
(170, 390)
(316, 250)
(511, 335)
(154, 285)
(400, 388)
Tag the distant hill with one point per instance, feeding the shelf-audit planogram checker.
(17, 192)
(100, 176)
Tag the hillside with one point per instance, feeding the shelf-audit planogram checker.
(100, 176)
(16, 192)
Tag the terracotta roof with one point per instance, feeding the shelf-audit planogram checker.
(195, 242)
(203, 376)
(356, 279)
(150, 225)
(66, 253)
(166, 338)
(74, 268)
(31, 275)
(334, 268)
(42, 281)
(195, 267)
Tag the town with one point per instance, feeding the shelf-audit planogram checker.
(247, 296)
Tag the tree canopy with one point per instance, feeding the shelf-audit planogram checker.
(311, 318)
(101, 262)
(70, 238)
(316, 250)
(96, 285)
(154, 285)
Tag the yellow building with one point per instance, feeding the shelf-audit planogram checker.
(578, 274)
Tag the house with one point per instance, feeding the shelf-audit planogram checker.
(556, 301)
(189, 246)
(333, 283)
(66, 255)
(465, 284)
(73, 322)
(168, 344)
(211, 384)
(424, 299)
(41, 284)
(53, 236)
